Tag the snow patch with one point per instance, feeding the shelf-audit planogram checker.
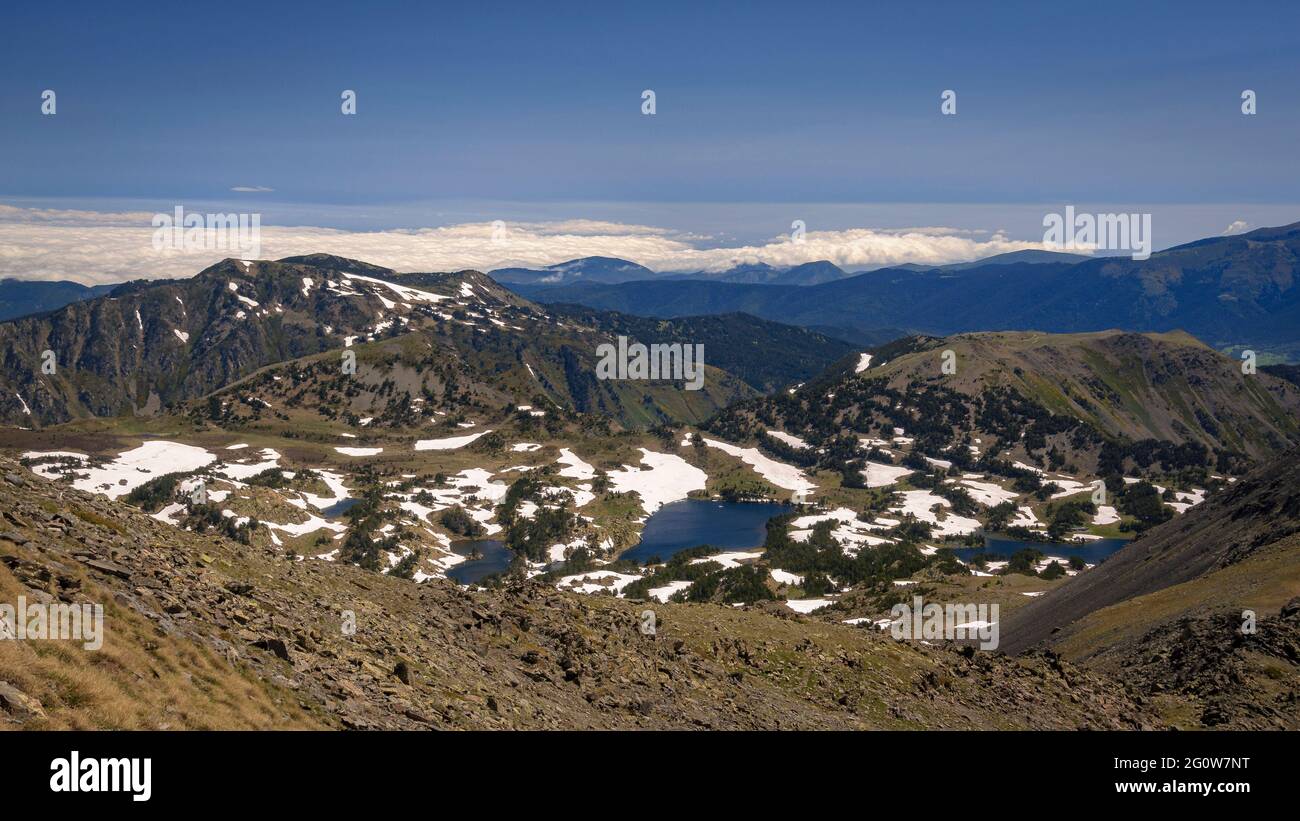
(778, 473)
(450, 443)
(665, 478)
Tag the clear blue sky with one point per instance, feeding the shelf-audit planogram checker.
(757, 102)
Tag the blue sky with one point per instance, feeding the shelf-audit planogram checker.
(534, 109)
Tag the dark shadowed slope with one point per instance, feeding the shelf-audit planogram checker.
(22, 297)
(767, 355)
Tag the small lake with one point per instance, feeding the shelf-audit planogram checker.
(694, 522)
(1091, 552)
(340, 507)
(496, 558)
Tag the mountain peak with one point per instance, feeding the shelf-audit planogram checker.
(582, 269)
(341, 264)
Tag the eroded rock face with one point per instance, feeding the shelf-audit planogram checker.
(331, 645)
(1242, 680)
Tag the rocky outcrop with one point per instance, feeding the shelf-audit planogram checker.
(1242, 679)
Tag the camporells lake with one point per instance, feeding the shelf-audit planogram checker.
(674, 527)
(725, 525)
(492, 557)
(693, 522)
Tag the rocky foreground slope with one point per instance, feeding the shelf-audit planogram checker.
(204, 632)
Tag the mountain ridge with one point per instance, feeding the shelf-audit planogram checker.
(153, 344)
(20, 297)
(1235, 290)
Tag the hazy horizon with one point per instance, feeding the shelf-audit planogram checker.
(682, 138)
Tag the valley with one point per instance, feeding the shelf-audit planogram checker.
(321, 416)
(393, 390)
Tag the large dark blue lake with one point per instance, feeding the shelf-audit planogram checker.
(494, 557)
(1091, 552)
(694, 522)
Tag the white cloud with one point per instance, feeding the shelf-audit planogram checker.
(251, 189)
(1237, 227)
(68, 216)
(100, 247)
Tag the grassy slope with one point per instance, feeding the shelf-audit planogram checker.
(1113, 371)
(1263, 582)
(144, 676)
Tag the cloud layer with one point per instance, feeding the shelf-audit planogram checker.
(101, 247)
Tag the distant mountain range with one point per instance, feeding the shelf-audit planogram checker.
(22, 297)
(1232, 291)
(611, 270)
(586, 269)
(1009, 258)
(809, 273)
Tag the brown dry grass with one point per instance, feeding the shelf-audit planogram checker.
(141, 678)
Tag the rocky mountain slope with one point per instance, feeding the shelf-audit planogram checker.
(1167, 387)
(152, 345)
(1257, 516)
(1043, 399)
(203, 631)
